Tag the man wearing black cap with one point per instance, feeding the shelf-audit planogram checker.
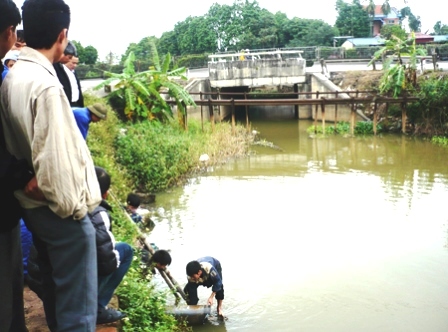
(69, 79)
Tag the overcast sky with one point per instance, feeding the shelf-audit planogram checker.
(113, 25)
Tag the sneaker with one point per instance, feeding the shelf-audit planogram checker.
(108, 315)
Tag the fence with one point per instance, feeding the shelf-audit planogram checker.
(321, 100)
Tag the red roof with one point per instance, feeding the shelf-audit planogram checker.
(379, 11)
(423, 38)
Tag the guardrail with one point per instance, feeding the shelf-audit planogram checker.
(318, 101)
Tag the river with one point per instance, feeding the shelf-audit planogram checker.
(326, 234)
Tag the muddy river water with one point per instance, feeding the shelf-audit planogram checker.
(334, 234)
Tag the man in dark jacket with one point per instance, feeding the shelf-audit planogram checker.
(113, 258)
(205, 271)
(12, 316)
(69, 79)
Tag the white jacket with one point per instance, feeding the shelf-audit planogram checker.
(39, 126)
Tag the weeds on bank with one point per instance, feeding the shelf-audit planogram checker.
(144, 305)
(158, 156)
(440, 140)
(343, 128)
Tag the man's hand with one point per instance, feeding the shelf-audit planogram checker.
(210, 299)
(32, 190)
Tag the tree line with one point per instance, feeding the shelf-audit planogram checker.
(245, 25)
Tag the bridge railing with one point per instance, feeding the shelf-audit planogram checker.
(254, 55)
(320, 100)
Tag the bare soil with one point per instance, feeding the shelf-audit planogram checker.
(361, 80)
(35, 315)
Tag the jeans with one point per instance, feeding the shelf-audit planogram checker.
(67, 262)
(108, 284)
(12, 317)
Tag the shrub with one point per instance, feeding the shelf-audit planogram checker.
(343, 128)
(193, 61)
(366, 128)
(155, 155)
(440, 140)
(145, 306)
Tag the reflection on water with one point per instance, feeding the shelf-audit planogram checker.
(335, 234)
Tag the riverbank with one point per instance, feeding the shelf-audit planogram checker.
(35, 315)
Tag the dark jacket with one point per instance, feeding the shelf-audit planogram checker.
(65, 81)
(105, 243)
(211, 273)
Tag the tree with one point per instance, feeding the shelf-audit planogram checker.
(259, 28)
(168, 43)
(352, 19)
(389, 30)
(111, 58)
(309, 32)
(140, 92)
(90, 55)
(141, 52)
(225, 22)
(87, 55)
(370, 9)
(385, 7)
(440, 29)
(194, 36)
(414, 22)
(283, 35)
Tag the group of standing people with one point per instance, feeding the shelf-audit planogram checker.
(48, 179)
(47, 176)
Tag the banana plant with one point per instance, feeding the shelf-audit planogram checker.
(145, 94)
(401, 76)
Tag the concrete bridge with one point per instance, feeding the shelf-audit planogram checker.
(257, 69)
(271, 71)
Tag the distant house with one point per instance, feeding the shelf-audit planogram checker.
(362, 42)
(421, 38)
(440, 39)
(380, 19)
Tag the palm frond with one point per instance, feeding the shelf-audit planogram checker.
(178, 72)
(129, 68)
(130, 99)
(179, 93)
(141, 88)
(104, 83)
(157, 96)
(155, 55)
(166, 63)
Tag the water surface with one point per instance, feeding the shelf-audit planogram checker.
(334, 234)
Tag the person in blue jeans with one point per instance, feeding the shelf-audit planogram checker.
(27, 241)
(113, 258)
